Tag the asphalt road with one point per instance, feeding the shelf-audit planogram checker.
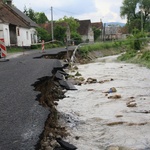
(21, 117)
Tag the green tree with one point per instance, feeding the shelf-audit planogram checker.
(43, 34)
(38, 17)
(137, 39)
(129, 10)
(97, 33)
(76, 37)
(59, 33)
(41, 17)
(31, 14)
(73, 24)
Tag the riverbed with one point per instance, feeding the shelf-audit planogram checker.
(99, 119)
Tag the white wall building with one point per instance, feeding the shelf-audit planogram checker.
(15, 27)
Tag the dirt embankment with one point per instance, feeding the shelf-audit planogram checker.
(51, 91)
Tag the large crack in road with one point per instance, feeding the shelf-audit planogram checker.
(52, 89)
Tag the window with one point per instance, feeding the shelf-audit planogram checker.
(18, 32)
(27, 35)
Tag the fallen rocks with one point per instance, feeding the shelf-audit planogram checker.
(131, 103)
(91, 80)
(117, 96)
(118, 148)
(111, 90)
(66, 145)
(103, 81)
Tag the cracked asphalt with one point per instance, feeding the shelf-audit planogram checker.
(21, 117)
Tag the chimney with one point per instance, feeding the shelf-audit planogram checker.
(9, 2)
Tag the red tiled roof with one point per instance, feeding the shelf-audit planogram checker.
(97, 25)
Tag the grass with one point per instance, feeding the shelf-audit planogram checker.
(106, 48)
(138, 57)
(15, 49)
(48, 45)
(141, 57)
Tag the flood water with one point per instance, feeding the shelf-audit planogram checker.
(96, 122)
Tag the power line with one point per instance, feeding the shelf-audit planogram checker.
(66, 11)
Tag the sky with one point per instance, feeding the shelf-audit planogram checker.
(95, 10)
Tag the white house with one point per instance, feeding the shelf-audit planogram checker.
(15, 27)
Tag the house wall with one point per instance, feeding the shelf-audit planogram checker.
(23, 37)
(90, 35)
(33, 35)
(4, 33)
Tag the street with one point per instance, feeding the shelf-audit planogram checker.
(21, 117)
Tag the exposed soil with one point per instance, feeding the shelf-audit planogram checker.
(51, 92)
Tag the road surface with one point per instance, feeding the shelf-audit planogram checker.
(21, 117)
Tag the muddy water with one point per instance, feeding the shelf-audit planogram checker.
(96, 122)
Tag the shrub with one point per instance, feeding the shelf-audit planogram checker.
(128, 55)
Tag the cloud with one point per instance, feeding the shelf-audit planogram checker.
(95, 10)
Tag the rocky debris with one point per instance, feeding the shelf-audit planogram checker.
(131, 103)
(66, 145)
(119, 116)
(78, 74)
(116, 96)
(143, 111)
(118, 148)
(103, 81)
(90, 81)
(115, 123)
(126, 123)
(52, 90)
(111, 90)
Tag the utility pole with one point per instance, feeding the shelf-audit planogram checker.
(104, 25)
(52, 29)
(141, 16)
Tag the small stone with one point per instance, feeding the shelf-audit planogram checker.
(49, 148)
(118, 116)
(45, 144)
(51, 135)
(131, 103)
(77, 137)
(113, 148)
(54, 143)
(117, 96)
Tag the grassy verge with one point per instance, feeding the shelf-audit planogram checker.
(141, 57)
(15, 49)
(138, 57)
(48, 45)
(106, 48)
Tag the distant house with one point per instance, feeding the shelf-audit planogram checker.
(85, 30)
(15, 27)
(48, 27)
(113, 32)
(98, 26)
